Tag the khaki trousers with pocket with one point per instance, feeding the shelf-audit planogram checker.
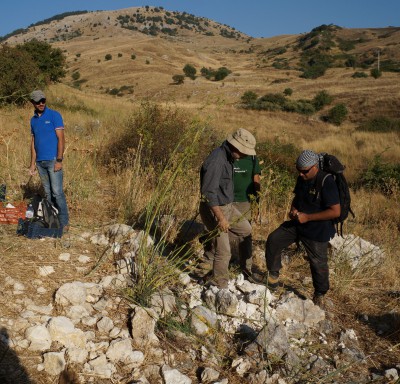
(217, 247)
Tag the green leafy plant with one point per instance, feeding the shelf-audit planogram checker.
(359, 75)
(376, 73)
(178, 79)
(50, 61)
(189, 71)
(337, 114)
(381, 124)
(288, 91)
(321, 99)
(108, 57)
(19, 74)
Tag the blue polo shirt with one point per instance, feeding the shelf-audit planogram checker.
(43, 128)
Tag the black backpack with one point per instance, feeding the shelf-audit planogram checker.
(45, 212)
(330, 165)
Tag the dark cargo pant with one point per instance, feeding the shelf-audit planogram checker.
(218, 250)
(317, 253)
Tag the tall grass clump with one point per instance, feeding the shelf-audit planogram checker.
(158, 265)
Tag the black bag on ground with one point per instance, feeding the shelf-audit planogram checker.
(45, 212)
(330, 165)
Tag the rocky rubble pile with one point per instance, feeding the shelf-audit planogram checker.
(271, 337)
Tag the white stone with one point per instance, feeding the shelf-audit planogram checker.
(77, 355)
(84, 259)
(99, 239)
(62, 330)
(41, 290)
(89, 321)
(105, 325)
(99, 366)
(39, 338)
(19, 286)
(64, 256)
(77, 312)
(54, 362)
(119, 350)
(46, 270)
(184, 279)
(173, 376)
(42, 309)
(71, 293)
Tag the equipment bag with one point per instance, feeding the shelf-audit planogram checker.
(45, 212)
(332, 166)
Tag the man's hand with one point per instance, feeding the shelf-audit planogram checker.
(32, 170)
(223, 224)
(302, 217)
(293, 214)
(57, 166)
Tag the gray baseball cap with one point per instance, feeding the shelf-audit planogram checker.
(37, 95)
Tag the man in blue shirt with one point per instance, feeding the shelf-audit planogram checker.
(47, 151)
(311, 216)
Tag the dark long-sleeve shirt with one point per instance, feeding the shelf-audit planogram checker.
(216, 177)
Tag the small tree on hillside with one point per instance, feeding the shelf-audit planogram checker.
(375, 73)
(190, 71)
(178, 79)
(51, 61)
(337, 114)
(19, 75)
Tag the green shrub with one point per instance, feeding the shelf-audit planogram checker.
(147, 125)
(381, 176)
(337, 114)
(19, 75)
(76, 75)
(375, 73)
(119, 54)
(206, 72)
(321, 99)
(314, 64)
(133, 56)
(304, 107)
(359, 75)
(274, 98)
(178, 79)
(50, 61)
(249, 98)
(221, 73)
(288, 91)
(189, 71)
(380, 124)
(108, 57)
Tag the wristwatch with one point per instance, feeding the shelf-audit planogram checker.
(59, 160)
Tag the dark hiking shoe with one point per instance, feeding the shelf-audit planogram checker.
(253, 277)
(319, 299)
(273, 281)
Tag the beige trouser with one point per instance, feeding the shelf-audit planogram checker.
(242, 248)
(217, 247)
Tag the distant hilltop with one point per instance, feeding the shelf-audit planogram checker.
(153, 21)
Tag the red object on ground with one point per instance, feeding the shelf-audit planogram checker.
(11, 215)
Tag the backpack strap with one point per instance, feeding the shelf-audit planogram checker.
(319, 182)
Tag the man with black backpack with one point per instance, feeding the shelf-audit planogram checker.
(315, 206)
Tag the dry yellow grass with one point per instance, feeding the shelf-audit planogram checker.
(92, 118)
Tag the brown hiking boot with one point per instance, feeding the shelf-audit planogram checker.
(319, 300)
(272, 281)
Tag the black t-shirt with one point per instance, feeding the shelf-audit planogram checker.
(308, 200)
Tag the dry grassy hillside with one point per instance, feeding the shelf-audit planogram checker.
(102, 189)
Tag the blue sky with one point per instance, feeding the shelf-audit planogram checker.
(257, 18)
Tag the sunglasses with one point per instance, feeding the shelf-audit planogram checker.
(41, 101)
(304, 171)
